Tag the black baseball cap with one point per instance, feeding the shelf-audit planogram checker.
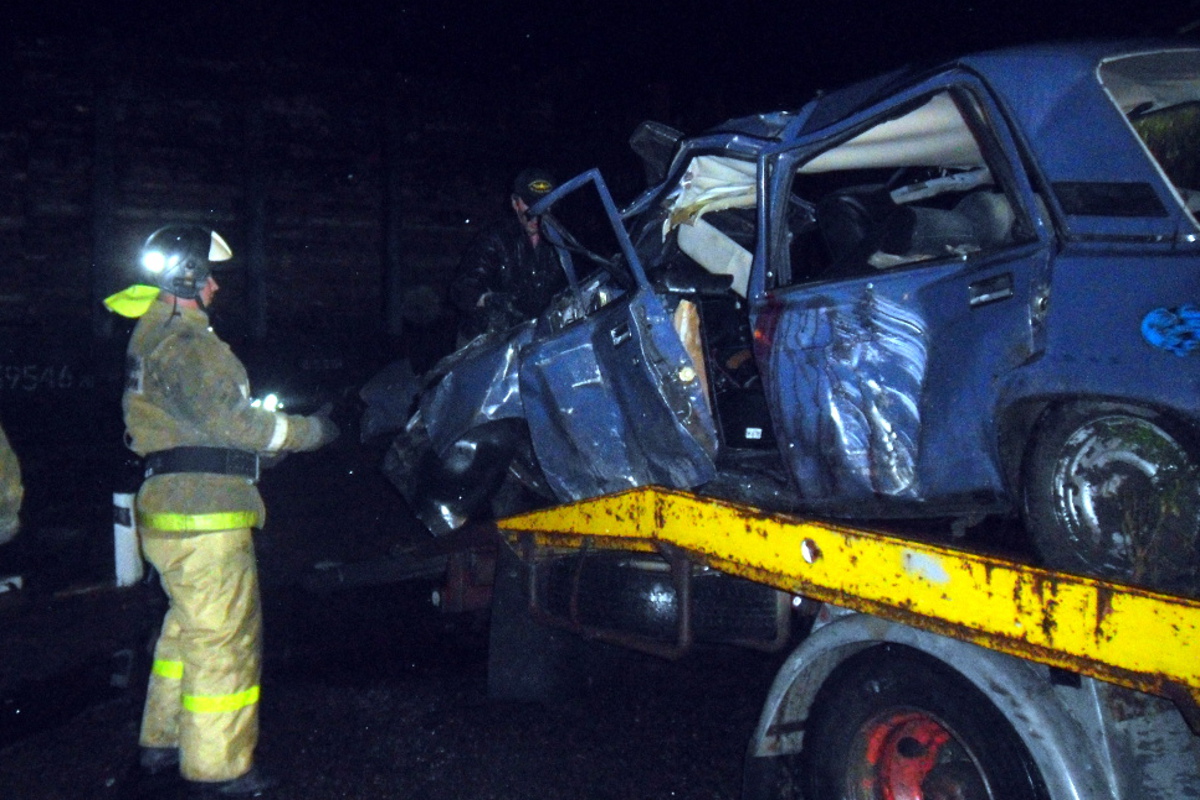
(533, 184)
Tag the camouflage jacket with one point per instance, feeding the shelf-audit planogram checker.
(503, 280)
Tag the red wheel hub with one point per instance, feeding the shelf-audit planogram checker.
(900, 752)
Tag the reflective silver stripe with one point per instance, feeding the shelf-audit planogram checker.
(279, 436)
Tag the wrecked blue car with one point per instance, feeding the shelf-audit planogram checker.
(955, 292)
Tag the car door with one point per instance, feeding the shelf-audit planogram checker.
(891, 310)
(613, 399)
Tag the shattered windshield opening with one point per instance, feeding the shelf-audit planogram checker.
(579, 223)
(582, 223)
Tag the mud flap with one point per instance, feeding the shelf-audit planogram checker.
(528, 661)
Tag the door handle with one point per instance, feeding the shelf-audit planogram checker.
(990, 290)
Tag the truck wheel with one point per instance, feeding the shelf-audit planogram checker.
(893, 723)
(1113, 492)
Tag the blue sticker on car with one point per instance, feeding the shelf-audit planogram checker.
(1174, 329)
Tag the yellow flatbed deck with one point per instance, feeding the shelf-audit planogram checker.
(1122, 634)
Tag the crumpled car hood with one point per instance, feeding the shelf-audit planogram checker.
(476, 384)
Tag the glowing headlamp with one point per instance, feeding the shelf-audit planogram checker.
(154, 261)
(271, 402)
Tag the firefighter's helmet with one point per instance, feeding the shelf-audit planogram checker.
(180, 258)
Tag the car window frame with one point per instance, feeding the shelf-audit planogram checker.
(987, 125)
(592, 176)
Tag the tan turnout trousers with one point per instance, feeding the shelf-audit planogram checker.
(204, 684)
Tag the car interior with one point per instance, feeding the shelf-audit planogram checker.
(911, 189)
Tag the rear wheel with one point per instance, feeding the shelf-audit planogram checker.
(894, 724)
(1113, 491)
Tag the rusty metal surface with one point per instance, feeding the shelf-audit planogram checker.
(1128, 636)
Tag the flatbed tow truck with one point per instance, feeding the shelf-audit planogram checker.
(927, 671)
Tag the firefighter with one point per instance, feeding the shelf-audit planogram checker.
(189, 414)
(12, 492)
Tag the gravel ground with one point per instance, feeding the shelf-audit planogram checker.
(372, 693)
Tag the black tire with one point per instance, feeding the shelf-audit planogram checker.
(893, 722)
(1113, 492)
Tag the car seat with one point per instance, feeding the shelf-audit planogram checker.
(865, 230)
(991, 215)
(848, 218)
(979, 221)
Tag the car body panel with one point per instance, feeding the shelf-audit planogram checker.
(891, 368)
(475, 385)
(1030, 249)
(1050, 92)
(613, 402)
(1095, 331)
(613, 399)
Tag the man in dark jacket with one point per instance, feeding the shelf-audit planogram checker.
(508, 273)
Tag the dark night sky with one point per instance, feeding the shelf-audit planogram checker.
(770, 54)
(602, 67)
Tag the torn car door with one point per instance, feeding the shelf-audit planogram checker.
(613, 400)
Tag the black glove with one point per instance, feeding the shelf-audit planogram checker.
(500, 312)
(328, 430)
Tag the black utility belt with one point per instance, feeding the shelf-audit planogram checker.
(215, 460)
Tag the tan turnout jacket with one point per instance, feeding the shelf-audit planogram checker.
(12, 491)
(187, 388)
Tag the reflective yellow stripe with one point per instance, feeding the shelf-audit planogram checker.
(220, 521)
(168, 669)
(217, 703)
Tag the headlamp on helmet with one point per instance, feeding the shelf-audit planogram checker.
(179, 258)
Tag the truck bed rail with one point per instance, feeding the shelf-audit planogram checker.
(1122, 634)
